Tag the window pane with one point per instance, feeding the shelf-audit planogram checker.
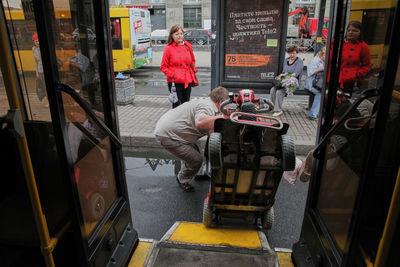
(26, 47)
(192, 17)
(116, 33)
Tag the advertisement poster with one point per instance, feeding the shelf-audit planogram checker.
(252, 40)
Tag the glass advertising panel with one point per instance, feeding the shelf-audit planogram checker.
(252, 40)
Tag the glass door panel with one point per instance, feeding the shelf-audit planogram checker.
(342, 168)
(76, 50)
(93, 167)
(26, 47)
(362, 68)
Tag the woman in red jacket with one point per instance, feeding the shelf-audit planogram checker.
(356, 60)
(178, 64)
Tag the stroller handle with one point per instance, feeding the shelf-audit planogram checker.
(271, 124)
(223, 104)
(262, 110)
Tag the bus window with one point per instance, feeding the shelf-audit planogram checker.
(116, 33)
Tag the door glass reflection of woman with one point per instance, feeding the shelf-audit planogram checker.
(356, 60)
(178, 64)
(292, 64)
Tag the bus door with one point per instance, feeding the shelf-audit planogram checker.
(78, 71)
(356, 159)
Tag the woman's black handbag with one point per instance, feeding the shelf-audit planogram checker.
(318, 80)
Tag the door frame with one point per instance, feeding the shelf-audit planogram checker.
(118, 217)
(316, 246)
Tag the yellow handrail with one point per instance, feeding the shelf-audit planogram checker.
(10, 77)
(390, 226)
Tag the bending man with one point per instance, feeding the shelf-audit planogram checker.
(179, 129)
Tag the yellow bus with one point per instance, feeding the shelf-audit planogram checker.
(130, 32)
(131, 42)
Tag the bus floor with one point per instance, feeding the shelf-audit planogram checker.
(192, 244)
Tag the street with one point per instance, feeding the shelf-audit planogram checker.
(157, 202)
(151, 81)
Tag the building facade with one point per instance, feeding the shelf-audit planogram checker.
(191, 14)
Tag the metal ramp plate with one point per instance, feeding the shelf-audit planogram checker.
(191, 244)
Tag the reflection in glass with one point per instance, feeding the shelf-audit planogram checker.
(343, 165)
(26, 46)
(93, 168)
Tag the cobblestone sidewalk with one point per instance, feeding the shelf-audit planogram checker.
(137, 122)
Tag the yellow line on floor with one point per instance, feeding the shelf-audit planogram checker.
(197, 233)
(284, 259)
(140, 254)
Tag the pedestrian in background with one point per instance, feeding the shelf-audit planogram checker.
(293, 64)
(315, 71)
(178, 64)
(179, 129)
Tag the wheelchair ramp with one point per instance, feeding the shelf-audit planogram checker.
(191, 244)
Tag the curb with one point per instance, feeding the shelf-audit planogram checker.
(146, 145)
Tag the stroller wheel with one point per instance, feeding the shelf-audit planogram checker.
(288, 153)
(207, 214)
(268, 219)
(214, 150)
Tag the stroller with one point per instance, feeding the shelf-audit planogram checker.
(248, 155)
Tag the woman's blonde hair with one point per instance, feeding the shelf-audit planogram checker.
(173, 30)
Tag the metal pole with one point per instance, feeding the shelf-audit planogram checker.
(321, 14)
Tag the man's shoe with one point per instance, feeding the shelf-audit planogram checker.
(185, 186)
(277, 113)
(313, 118)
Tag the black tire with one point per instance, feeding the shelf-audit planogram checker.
(288, 153)
(95, 207)
(268, 219)
(207, 214)
(177, 166)
(214, 150)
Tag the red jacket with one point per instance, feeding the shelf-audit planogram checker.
(356, 62)
(177, 61)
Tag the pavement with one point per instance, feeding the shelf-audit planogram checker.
(137, 122)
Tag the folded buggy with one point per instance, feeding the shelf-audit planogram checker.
(248, 154)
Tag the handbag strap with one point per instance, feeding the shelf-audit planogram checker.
(191, 55)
